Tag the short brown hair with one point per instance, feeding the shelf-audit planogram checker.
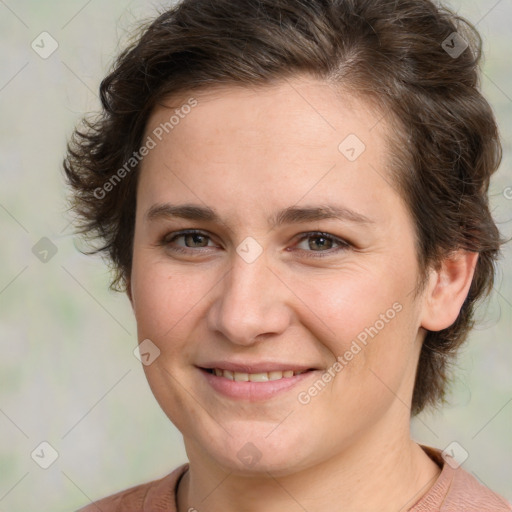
(399, 54)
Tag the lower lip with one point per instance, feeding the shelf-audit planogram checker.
(253, 391)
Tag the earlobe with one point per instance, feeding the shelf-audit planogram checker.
(447, 290)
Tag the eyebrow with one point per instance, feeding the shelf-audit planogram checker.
(290, 215)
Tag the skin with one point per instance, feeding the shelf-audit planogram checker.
(246, 153)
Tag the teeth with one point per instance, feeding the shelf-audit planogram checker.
(258, 377)
(255, 377)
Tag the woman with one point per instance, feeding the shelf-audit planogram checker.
(294, 197)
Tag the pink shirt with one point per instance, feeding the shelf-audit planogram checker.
(454, 491)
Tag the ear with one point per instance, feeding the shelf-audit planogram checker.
(447, 290)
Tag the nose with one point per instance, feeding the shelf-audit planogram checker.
(252, 303)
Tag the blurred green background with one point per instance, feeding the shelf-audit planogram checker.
(67, 369)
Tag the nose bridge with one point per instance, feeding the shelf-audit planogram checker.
(250, 302)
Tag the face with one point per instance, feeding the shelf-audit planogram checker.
(297, 256)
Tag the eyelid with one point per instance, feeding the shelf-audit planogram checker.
(166, 239)
(343, 244)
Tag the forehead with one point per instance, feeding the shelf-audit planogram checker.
(300, 109)
(266, 144)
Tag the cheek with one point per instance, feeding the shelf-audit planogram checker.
(350, 305)
(366, 320)
(379, 364)
(163, 296)
(166, 305)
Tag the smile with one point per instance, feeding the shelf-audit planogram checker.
(254, 377)
(254, 386)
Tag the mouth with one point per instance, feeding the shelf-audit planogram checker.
(255, 377)
(254, 383)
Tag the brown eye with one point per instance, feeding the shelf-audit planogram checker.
(191, 240)
(317, 243)
(322, 243)
(195, 240)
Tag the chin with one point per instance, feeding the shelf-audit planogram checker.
(249, 461)
(253, 451)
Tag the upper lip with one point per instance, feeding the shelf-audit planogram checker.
(255, 367)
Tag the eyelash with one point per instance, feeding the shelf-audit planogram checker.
(165, 241)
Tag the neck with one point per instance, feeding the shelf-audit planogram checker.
(383, 470)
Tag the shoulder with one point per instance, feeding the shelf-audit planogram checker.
(468, 494)
(141, 498)
(457, 490)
